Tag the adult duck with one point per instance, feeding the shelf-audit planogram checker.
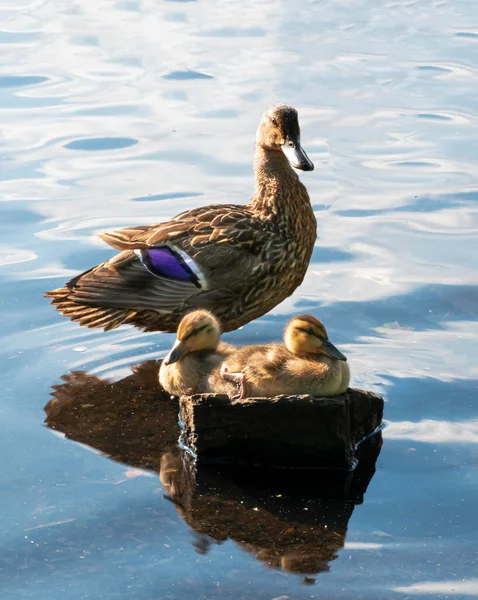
(307, 363)
(236, 261)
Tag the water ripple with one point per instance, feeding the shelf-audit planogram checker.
(467, 34)
(167, 196)
(186, 75)
(98, 144)
(12, 81)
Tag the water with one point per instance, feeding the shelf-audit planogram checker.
(123, 113)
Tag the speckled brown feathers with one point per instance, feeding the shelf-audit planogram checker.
(250, 258)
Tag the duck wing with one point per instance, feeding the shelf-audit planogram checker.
(193, 229)
(210, 247)
(199, 258)
(125, 282)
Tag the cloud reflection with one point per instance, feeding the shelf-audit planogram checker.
(464, 587)
(436, 353)
(434, 432)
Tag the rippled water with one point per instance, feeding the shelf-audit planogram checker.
(119, 113)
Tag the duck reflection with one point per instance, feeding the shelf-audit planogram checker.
(290, 520)
(132, 421)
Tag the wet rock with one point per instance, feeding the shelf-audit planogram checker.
(285, 431)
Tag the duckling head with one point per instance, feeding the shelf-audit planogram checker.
(305, 334)
(198, 330)
(279, 130)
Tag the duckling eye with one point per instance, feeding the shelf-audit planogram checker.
(195, 332)
(291, 144)
(274, 121)
(308, 331)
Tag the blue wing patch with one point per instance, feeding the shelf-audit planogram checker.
(164, 261)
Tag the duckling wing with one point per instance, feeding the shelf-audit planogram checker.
(263, 356)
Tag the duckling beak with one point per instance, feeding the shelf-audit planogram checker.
(296, 154)
(177, 352)
(332, 351)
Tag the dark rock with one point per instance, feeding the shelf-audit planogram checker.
(286, 431)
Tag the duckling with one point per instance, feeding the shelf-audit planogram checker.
(197, 351)
(238, 261)
(307, 363)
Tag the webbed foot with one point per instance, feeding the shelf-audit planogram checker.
(239, 379)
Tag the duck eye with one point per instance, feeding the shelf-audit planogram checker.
(307, 330)
(291, 144)
(196, 331)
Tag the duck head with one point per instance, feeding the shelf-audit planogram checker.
(279, 130)
(198, 330)
(305, 334)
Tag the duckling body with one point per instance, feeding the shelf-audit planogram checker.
(196, 353)
(191, 374)
(307, 363)
(236, 261)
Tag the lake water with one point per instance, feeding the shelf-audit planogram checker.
(117, 113)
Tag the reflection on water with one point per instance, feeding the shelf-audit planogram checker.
(132, 420)
(295, 521)
(128, 112)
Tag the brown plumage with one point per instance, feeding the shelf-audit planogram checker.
(307, 363)
(237, 261)
(196, 353)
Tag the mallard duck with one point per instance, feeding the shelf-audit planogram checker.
(196, 353)
(236, 261)
(307, 363)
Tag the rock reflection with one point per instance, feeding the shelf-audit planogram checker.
(290, 520)
(295, 521)
(132, 421)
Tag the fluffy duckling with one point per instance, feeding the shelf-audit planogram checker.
(307, 363)
(197, 351)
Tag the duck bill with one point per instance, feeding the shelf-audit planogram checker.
(329, 349)
(177, 352)
(296, 154)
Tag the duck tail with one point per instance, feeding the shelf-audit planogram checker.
(89, 315)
